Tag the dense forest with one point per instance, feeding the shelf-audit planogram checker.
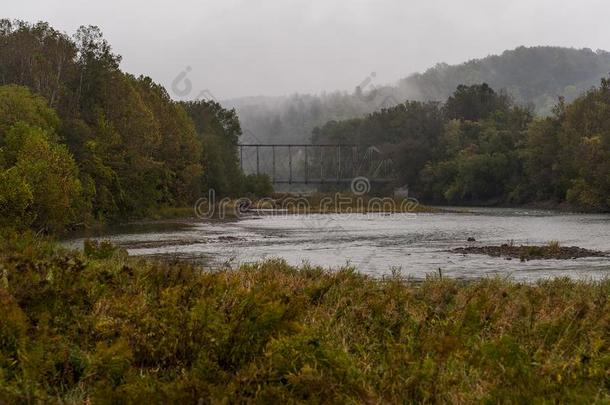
(533, 77)
(480, 148)
(82, 141)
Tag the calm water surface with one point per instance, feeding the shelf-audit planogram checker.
(416, 245)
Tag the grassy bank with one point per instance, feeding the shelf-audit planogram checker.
(100, 327)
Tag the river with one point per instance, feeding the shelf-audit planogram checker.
(413, 244)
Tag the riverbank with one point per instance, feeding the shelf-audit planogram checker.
(548, 205)
(279, 204)
(286, 204)
(99, 326)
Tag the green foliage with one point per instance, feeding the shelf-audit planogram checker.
(257, 185)
(52, 176)
(19, 105)
(474, 103)
(407, 134)
(463, 151)
(585, 135)
(567, 156)
(100, 250)
(40, 185)
(65, 104)
(219, 130)
(479, 158)
(104, 328)
(15, 200)
(480, 148)
(541, 161)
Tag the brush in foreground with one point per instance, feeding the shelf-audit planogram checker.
(103, 328)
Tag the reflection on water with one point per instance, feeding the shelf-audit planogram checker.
(415, 244)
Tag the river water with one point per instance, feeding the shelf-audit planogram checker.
(413, 244)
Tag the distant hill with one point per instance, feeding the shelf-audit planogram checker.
(533, 76)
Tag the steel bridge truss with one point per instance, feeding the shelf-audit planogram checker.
(316, 164)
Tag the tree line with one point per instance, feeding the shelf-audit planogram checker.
(82, 141)
(532, 76)
(480, 147)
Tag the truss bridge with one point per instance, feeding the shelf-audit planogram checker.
(316, 164)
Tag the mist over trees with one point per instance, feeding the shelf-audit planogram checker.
(533, 77)
(480, 147)
(81, 141)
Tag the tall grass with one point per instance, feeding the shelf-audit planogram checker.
(105, 328)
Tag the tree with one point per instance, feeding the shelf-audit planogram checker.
(179, 147)
(18, 104)
(36, 56)
(542, 160)
(585, 143)
(40, 181)
(134, 147)
(219, 131)
(51, 174)
(476, 102)
(15, 200)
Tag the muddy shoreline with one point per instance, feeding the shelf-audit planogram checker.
(529, 252)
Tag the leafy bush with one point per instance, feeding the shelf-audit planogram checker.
(101, 250)
(257, 185)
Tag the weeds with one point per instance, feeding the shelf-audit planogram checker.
(105, 328)
(554, 247)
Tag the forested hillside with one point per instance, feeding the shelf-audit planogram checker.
(481, 148)
(531, 76)
(534, 76)
(82, 141)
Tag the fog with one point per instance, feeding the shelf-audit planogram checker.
(240, 48)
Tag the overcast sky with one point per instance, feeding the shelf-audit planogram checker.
(272, 47)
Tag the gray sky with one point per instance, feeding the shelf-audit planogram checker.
(272, 47)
